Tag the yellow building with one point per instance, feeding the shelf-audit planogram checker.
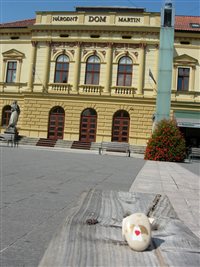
(90, 75)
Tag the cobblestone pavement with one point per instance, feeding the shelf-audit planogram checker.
(38, 186)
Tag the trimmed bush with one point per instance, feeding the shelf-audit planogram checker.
(167, 143)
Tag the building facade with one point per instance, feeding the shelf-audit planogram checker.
(91, 75)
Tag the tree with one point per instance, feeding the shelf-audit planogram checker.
(167, 143)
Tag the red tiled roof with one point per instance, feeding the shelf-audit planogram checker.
(18, 24)
(187, 23)
(182, 23)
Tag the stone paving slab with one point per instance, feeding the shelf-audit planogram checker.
(79, 243)
(180, 185)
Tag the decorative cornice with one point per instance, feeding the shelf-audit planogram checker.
(64, 44)
(34, 43)
(143, 45)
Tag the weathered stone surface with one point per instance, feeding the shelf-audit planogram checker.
(91, 234)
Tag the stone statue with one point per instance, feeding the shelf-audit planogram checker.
(15, 111)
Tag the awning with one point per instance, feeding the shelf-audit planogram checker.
(188, 119)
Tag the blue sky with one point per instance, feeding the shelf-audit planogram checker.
(12, 10)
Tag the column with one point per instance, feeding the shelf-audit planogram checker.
(175, 77)
(3, 78)
(32, 66)
(19, 67)
(192, 79)
(77, 68)
(46, 70)
(108, 73)
(141, 69)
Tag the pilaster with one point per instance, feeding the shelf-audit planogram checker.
(141, 69)
(108, 73)
(19, 71)
(77, 68)
(47, 66)
(3, 70)
(32, 66)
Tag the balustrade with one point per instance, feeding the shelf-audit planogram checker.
(126, 91)
(90, 89)
(59, 88)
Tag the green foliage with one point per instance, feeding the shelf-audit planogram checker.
(167, 143)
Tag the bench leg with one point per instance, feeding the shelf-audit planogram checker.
(100, 150)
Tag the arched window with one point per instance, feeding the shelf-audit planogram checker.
(92, 70)
(120, 127)
(62, 69)
(124, 72)
(6, 112)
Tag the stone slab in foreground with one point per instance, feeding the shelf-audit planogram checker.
(91, 234)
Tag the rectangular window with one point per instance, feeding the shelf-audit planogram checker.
(11, 71)
(183, 79)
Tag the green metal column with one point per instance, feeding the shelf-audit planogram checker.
(163, 101)
(165, 66)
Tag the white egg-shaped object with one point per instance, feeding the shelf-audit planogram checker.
(136, 229)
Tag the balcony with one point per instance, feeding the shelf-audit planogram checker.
(126, 91)
(90, 89)
(59, 88)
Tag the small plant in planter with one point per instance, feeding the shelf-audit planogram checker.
(167, 143)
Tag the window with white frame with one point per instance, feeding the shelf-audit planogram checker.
(92, 70)
(62, 69)
(11, 71)
(124, 72)
(183, 79)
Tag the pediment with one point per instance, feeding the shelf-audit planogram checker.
(185, 59)
(13, 54)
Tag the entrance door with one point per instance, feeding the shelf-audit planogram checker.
(88, 125)
(120, 129)
(56, 123)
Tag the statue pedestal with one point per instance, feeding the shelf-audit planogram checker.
(10, 135)
(11, 130)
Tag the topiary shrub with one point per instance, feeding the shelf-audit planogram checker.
(167, 143)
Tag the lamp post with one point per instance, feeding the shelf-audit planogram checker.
(163, 101)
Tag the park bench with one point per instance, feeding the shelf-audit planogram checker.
(194, 152)
(115, 147)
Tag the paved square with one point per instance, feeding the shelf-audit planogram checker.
(38, 186)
